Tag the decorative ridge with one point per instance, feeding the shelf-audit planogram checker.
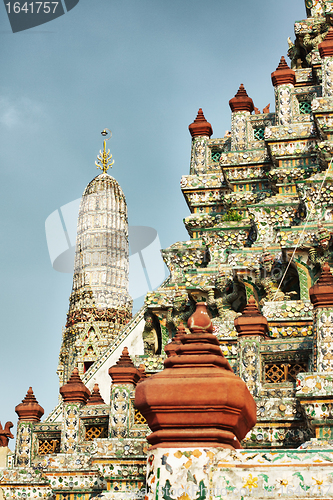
(96, 398)
(125, 359)
(200, 126)
(282, 64)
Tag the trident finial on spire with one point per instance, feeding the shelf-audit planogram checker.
(104, 158)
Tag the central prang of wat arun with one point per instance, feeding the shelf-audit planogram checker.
(221, 386)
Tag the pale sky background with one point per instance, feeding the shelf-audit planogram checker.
(142, 69)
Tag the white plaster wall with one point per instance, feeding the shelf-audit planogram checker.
(134, 343)
(4, 450)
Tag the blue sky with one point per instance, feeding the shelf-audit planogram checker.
(142, 69)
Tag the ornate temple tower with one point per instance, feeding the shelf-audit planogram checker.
(99, 305)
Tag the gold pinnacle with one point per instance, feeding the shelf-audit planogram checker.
(104, 158)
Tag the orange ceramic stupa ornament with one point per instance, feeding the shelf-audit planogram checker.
(283, 75)
(196, 400)
(29, 410)
(124, 371)
(170, 348)
(142, 370)
(241, 101)
(251, 322)
(200, 320)
(321, 294)
(75, 391)
(326, 46)
(95, 398)
(200, 126)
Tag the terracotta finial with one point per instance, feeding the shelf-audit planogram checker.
(142, 370)
(326, 275)
(326, 46)
(5, 434)
(282, 64)
(321, 294)
(200, 126)
(125, 359)
(95, 398)
(75, 391)
(251, 308)
(124, 371)
(241, 101)
(29, 410)
(197, 400)
(170, 348)
(251, 322)
(180, 331)
(200, 321)
(283, 75)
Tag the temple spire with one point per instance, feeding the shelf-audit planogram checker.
(100, 293)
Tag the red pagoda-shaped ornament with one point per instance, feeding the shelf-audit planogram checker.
(29, 410)
(283, 75)
(124, 371)
(321, 294)
(241, 101)
(251, 322)
(95, 398)
(75, 391)
(326, 46)
(200, 126)
(196, 400)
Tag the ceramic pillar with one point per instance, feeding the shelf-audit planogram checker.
(75, 394)
(252, 327)
(29, 412)
(241, 106)
(283, 80)
(326, 54)
(124, 379)
(200, 131)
